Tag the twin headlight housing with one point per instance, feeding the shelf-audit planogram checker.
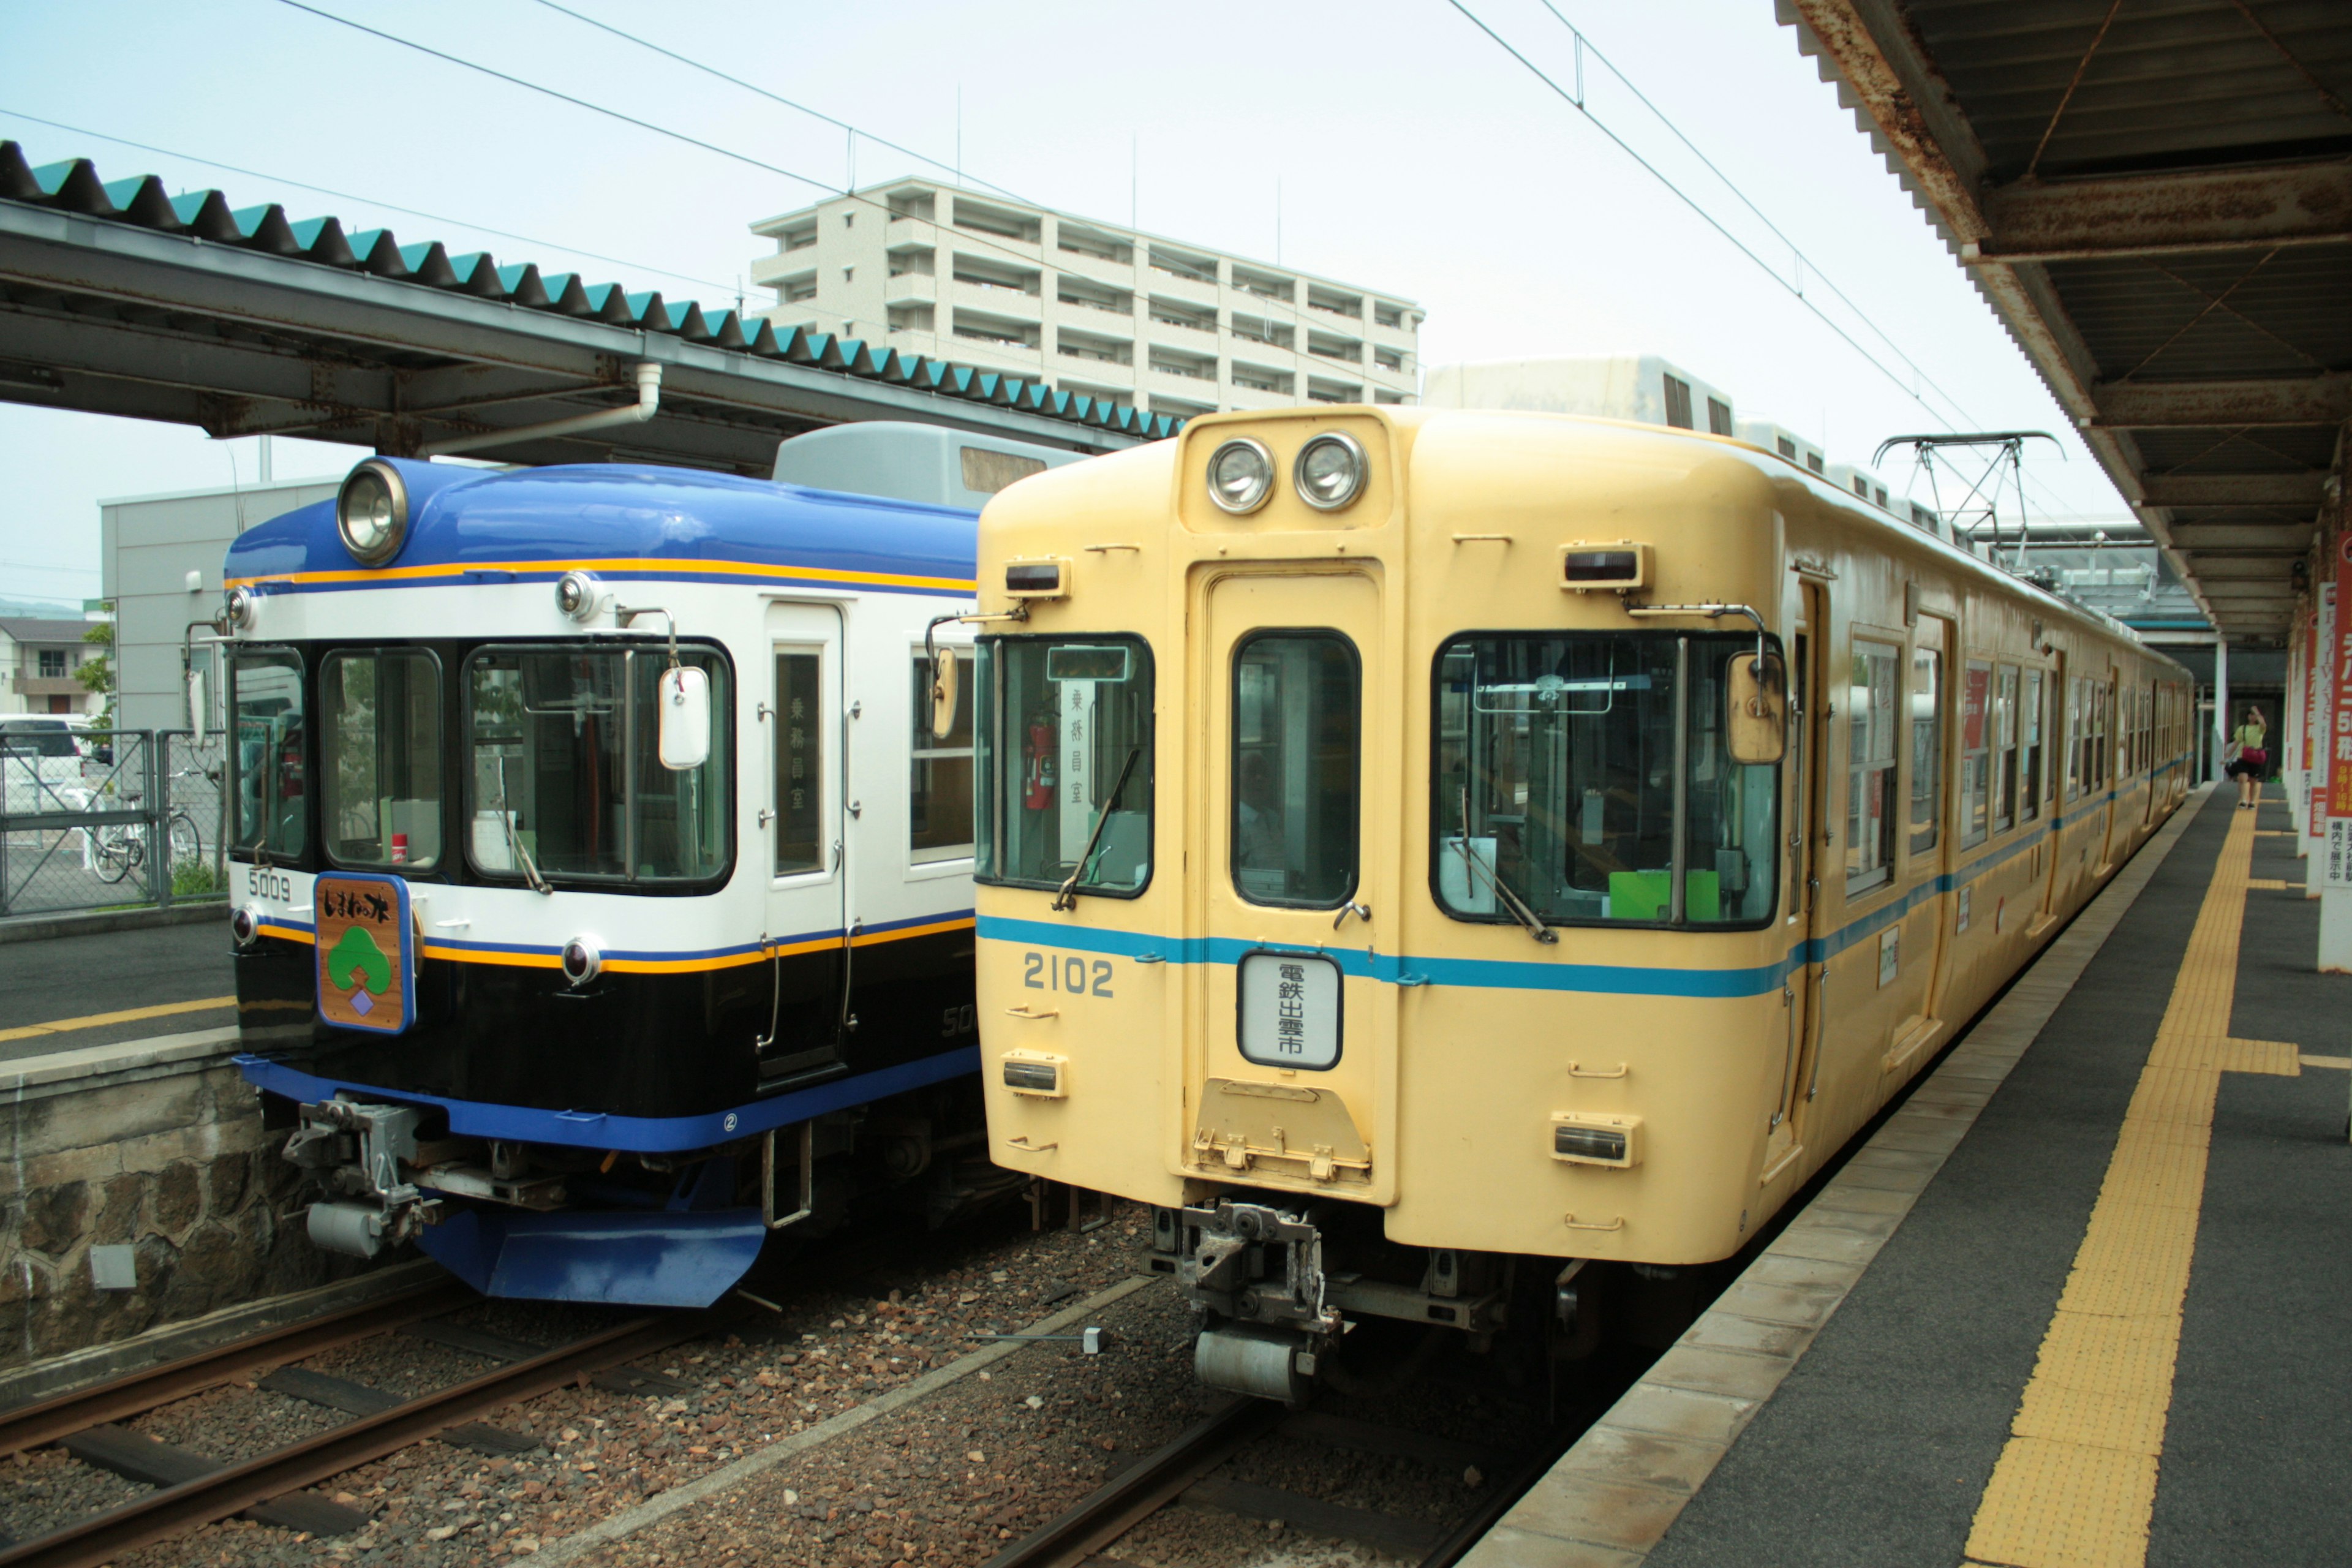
(1328, 473)
(372, 512)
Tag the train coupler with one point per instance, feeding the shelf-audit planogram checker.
(360, 1152)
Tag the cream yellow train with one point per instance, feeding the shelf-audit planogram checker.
(1436, 858)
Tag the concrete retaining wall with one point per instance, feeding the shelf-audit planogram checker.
(157, 1144)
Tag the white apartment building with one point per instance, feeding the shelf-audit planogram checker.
(1084, 307)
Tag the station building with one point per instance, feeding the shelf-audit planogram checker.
(1096, 309)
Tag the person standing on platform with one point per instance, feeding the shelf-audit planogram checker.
(2248, 758)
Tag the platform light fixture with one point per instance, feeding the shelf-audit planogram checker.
(372, 512)
(1331, 470)
(1241, 476)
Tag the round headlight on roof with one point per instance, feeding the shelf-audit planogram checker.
(241, 609)
(575, 596)
(372, 512)
(1241, 476)
(1329, 472)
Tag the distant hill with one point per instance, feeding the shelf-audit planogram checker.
(43, 610)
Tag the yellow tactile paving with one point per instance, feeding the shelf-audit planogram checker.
(2076, 1482)
(2266, 884)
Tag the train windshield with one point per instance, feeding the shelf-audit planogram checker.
(1065, 764)
(266, 750)
(564, 780)
(380, 749)
(1557, 797)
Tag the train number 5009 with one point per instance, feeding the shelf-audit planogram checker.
(1079, 976)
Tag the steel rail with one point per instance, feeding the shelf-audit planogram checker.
(1137, 1492)
(50, 1419)
(171, 1510)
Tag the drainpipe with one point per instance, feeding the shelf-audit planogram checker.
(647, 403)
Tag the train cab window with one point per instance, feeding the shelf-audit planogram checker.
(1927, 748)
(1555, 797)
(799, 723)
(1977, 736)
(2004, 748)
(266, 751)
(1296, 751)
(565, 774)
(939, 783)
(2033, 715)
(1062, 764)
(1870, 766)
(380, 755)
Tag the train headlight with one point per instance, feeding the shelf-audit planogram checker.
(1034, 1074)
(241, 608)
(575, 594)
(372, 512)
(245, 924)
(1329, 472)
(582, 961)
(1241, 476)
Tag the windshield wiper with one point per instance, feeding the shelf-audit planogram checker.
(514, 840)
(1509, 901)
(1069, 897)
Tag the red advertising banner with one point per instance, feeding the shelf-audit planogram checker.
(2339, 728)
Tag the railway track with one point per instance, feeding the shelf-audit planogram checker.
(192, 1489)
(1194, 1469)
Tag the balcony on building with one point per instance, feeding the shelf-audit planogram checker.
(915, 204)
(1264, 378)
(1326, 345)
(1258, 330)
(1319, 390)
(1088, 295)
(1124, 396)
(1179, 407)
(1093, 244)
(1002, 332)
(1000, 285)
(1168, 360)
(1266, 284)
(916, 318)
(1070, 342)
(1170, 312)
(1183, 266)
(1334, 302)
(976, 216)
(1388, 359)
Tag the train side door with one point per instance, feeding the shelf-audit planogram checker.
(802, 823)
(1807, 802)
(1291, 1042)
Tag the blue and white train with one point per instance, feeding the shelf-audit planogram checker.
(602, 897)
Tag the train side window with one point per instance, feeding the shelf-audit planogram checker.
(2033, 715)
(800, 764)
(938, 779)
(1297, 729)
(1870, 766)
(2004, 740)
(380, 753)
(266, 751)
(2074, 737)
(1977, 725)
(1927, 748)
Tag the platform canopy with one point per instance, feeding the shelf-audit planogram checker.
(120, 297)
(2155, 198)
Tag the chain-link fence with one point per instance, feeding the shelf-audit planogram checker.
(109, 818)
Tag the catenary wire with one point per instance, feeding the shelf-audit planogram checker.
(370, 201)
(1909, 390)
(964, 237)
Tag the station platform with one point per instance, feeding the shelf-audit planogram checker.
(2084, 1299)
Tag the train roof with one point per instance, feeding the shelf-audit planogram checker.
(623, 522)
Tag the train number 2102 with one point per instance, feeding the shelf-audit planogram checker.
(1079, 976)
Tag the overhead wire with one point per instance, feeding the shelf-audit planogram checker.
(965, 235)
(368, 201)
(1576, 102)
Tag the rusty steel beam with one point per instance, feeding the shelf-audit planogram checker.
(2162, 214)
(2297, 491)
(2160, 405)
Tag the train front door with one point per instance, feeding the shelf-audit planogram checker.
(802, 821)
(1291, 1040)
(1805, 781)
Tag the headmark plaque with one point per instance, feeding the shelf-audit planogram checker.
(366, 952)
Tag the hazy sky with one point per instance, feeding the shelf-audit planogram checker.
(1390, 142)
